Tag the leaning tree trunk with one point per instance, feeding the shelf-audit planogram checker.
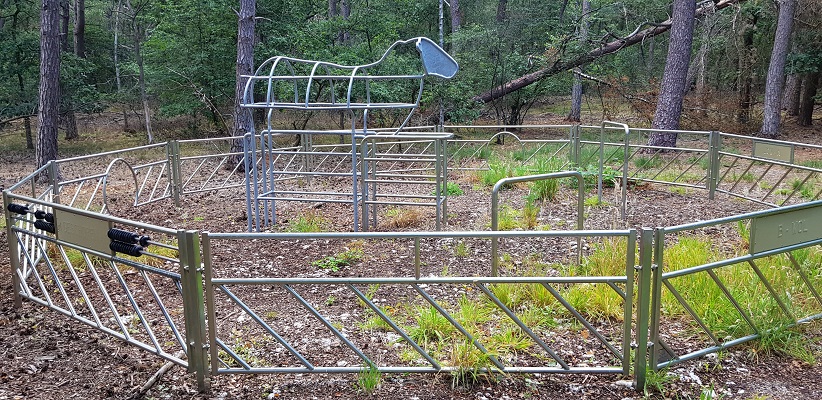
(66, 117)
(776, 69)
(243, 120)
(49, 82)
(669, 104)
(808, 98)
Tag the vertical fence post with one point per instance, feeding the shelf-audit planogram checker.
(627, 325)
(14, 255)
(574, 146)
(191, 273)
(442, 156)
(173, 156)
(713, 163)
(211, 310)
(601, 161)
(643, 301)
(363, 185)
(654, 345)
(54, 181)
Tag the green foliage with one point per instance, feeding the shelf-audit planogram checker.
(431, 325)
(338, 261)
(785, 341)
(594, 201)
(461, 249)
(496, 172)
(452, 189)
(648, 162)
(308, 222)
(530, 212)
(656, 381)
(368, 379)
(591, 173)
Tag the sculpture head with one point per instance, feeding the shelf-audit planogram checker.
(435, 60)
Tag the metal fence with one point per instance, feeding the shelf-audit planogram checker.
(198, 299)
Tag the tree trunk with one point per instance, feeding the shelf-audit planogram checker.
(345, 11)
(65, 15)
(69, 121)
(698, 71)
(776, 69)
(243, 120)
(66, 108)
(22, 87)
(747, 57)
(576, 89)
(502, 11)
(49, 82)
(80, 28)
(116, 49)
(793, 92)
(333, 10)
(29, 138)
(456, 16)
(141, 81)
(669, 103)
(808, 98)
(602, 50)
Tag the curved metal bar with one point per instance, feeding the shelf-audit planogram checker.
(105, 180)
(530, 178)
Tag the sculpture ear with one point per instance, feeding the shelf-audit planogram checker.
(435, 60)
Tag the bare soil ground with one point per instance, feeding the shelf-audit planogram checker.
(47, 356)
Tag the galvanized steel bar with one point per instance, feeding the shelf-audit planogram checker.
(193, 306)
(771, 290)
(643, 304)
(684, 303)
(804, 277)
(210, 307)
(628, 304)
(581, 319)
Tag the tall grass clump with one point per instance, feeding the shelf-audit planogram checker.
(495, 173)
(310, 221)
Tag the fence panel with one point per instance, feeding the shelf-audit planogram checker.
(427, 312)
(767, 279)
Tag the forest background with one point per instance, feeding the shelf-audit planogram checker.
(743, 66)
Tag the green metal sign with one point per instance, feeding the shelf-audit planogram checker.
(773, 151)
(785, 229)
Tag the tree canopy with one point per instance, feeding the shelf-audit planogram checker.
(512, 54)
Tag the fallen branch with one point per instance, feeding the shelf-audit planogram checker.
(605, 49)
(155, 378)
